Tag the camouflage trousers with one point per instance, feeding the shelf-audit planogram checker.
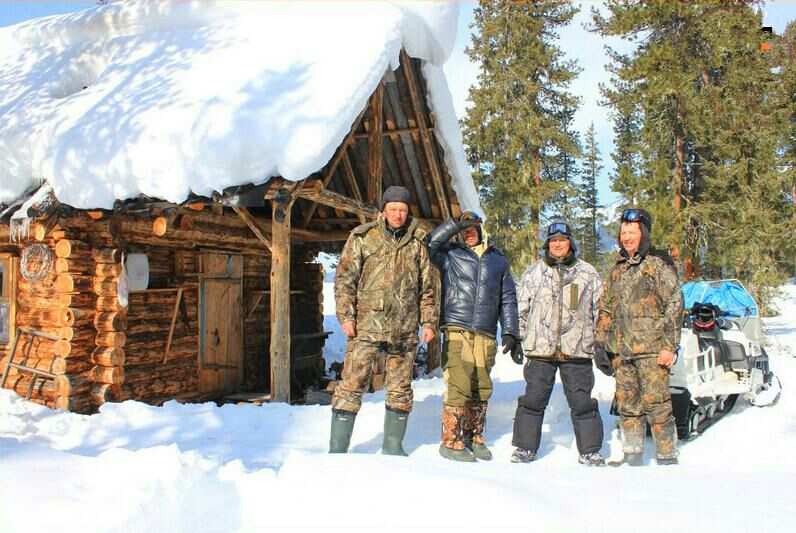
(642, 391)
(362, 358)
(467, 359)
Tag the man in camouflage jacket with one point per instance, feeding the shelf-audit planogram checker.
(638, 326)
(383, 291)
(557, 304)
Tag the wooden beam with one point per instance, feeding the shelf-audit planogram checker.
(425, 134)
(332, 166)
(280, 296)
(337, 201)
(352, 183)
(391, 132)
(247, 217)
(375, 144)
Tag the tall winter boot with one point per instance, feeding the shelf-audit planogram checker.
(665, 437)
(452, 445)
(633, 435)
(342, 428)
(394, 431)
(474, 430)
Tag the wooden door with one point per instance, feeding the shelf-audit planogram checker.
(221, 323)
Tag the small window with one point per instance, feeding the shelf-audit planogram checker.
(6, 298)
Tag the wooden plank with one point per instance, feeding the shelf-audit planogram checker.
(247, 217)
(233, 377)
(405, 152)
(425, 134)
(391, 132)
(394, 155)
(173, 324)
(253, 308)
(280, 299)
(375, 156)
(352, 183)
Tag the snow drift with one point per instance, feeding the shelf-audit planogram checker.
(200, 467)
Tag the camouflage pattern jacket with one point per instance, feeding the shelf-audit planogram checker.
(641, 308)
(385, 284)
(557, 307)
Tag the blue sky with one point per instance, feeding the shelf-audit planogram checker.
(578, 43)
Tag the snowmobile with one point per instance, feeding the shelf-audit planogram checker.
(721, 356)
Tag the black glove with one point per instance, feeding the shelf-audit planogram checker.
(517, 354)
(512, 347)
(602, 360)
(509, 342)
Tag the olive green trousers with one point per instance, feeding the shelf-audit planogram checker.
(467, 359)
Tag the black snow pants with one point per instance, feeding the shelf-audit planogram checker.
(578, 379)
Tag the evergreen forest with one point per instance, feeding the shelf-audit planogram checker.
(703, 110)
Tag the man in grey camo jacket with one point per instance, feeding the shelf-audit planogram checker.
(557, 302)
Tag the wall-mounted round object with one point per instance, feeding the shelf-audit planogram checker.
(36, 262)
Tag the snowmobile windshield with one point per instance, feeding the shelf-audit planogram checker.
(729, 295)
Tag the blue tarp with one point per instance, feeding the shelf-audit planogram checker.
(729, 295)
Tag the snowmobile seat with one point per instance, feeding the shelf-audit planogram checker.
(707, 341)
(736, 355)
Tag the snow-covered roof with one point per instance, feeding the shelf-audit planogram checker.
(167, 98)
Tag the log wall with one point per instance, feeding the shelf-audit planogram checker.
(109, 353)
(62, 304)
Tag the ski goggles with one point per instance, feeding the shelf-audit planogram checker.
(559, 228)
(636, 215)
(469, 215)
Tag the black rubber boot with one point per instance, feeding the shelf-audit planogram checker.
(394, 431)
(342, 428)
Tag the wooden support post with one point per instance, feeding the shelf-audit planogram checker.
(375, 143)
(280, 295)
(425, 134)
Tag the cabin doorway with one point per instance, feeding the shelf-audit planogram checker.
(221, 324)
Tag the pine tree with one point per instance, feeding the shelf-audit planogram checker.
(711, 113)
(783, 56)
(588, 219)
(563, 173)
(516, 128)
(650, 95)
(626, 116)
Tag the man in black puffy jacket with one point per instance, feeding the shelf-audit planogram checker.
(478, 292)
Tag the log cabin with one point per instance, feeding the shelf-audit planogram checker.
(217, 296)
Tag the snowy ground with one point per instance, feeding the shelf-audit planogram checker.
(243, 468)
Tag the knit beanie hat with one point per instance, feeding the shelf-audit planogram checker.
(396, 193)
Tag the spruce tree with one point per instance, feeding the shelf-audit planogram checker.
(588, 220)
(783, 55)
(711, 112)
(563, 174)
(516, 129)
